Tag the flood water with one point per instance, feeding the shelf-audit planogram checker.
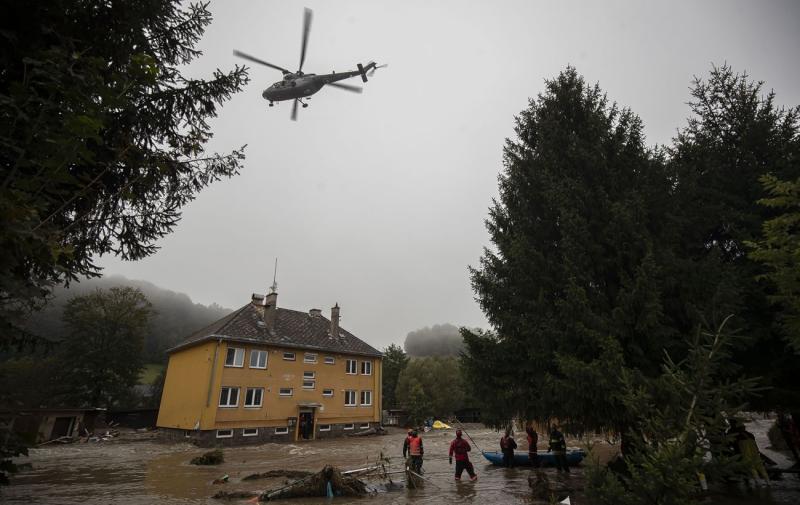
(148, 472)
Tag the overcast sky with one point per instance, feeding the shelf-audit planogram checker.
(377, 201)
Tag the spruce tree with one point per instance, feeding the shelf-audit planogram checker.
(736, 135)
(573, 284)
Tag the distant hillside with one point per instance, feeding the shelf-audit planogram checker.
(176, 315)
(437, 340)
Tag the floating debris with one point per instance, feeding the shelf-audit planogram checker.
(210, 458)
(234, 495)
(289, 474)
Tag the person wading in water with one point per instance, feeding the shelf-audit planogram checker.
(461, 448)
(413, 447)
(507, 445)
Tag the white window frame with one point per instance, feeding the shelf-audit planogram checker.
(363, 426)
(350, 393)
(347, 367)
(361, 398)
(283, 430)
(228, 404)
(221, 434)
(260, 398)
(365, 365)
(350, 426)
(292, 355)
(324, 427)
(309, 376)
(309, 384)
(310, 357)
(327, 395)
(330, 360)
(237, 352)
(281, 391)
(253, 432)
(258, 352)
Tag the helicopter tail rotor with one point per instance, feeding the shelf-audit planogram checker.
(363, 69)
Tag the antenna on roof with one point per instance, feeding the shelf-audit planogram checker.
(274, 287)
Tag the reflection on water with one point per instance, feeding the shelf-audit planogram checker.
(149, 473)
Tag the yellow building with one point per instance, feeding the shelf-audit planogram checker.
(265, 373)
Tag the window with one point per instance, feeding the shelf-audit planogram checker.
(363, 426)
(235, 357)
(288, 356)
(229, 397)
(366, 368)
(187, 433)
(285, 392)
(309, 384)
(366, 398)
(258, 359)
(324, 427)
(282, 431)
(250, 432)
(253, 397)
(349, 398)
(329, 360)
(224, 433)
(327, 392)
(309, 375)
(309, 357)
(352, 366)
(349, 426)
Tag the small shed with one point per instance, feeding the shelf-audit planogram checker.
(36, 426)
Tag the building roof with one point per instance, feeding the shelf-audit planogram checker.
(291, 328)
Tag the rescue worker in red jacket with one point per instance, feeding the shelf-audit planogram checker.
(413, 447)
(460, 448)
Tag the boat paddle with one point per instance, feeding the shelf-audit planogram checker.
(467, 434)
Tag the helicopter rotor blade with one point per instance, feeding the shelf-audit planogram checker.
(306, 28)
(346, 87)
(294, 109)
(372, 71)
(256, 60)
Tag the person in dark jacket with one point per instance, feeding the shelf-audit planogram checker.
(460, 448)
(507, 445)
(558, 446)
(533, 441)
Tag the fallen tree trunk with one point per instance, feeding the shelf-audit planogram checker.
(329, 481)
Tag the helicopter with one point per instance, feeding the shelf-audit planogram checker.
(298, 86)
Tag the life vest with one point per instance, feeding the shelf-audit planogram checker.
(415, 446)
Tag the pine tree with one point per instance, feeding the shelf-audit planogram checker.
(103, 138)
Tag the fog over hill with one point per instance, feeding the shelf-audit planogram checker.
(437, 340)
(176, 316)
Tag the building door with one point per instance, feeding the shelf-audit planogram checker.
(306, 428)
(62, 427)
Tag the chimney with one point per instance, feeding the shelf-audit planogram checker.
(270, 309)
(315, 313)
(335, 321)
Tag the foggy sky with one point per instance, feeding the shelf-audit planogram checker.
(377, 201)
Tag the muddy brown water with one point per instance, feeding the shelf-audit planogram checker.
(149, 472)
